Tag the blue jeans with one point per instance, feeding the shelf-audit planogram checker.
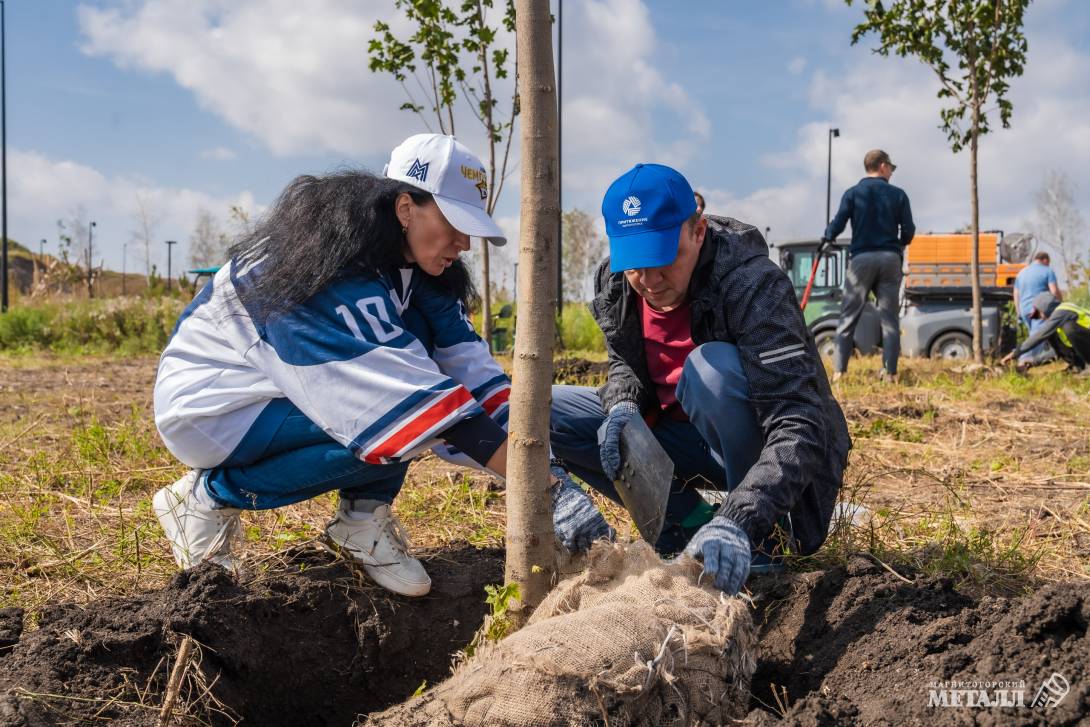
(286, 458)
(713, 450)
(1040, 350)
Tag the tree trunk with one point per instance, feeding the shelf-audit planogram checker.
(978, 319)
(974, 266)
(486, 277)
(531, 545)
(486, 297)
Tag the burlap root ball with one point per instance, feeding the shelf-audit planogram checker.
(632, 640)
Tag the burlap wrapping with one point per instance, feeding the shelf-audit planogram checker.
(630, 641)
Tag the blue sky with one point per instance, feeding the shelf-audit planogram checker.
(200, 104)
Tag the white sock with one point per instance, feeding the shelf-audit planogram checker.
(361, 509)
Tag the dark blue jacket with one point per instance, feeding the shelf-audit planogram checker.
(880, 215)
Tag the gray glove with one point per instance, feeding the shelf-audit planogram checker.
(724, 548)
(609, 451)
(576, 520)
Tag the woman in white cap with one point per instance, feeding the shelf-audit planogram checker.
(332, 349)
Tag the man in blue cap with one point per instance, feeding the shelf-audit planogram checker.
(707, 343)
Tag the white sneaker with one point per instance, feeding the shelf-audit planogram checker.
(378, 543)
(196, 532)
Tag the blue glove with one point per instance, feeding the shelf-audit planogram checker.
(610, 447)
(724, 548)
(576, 520)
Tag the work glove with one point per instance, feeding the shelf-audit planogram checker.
(724, 548)
(609, 451)
(576, 521)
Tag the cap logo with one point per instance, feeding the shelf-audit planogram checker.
(478, 176)
(418, 170)
(631, 206)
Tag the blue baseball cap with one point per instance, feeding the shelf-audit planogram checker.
(644, 210)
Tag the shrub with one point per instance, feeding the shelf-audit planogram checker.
(115, 325)
(579, 331)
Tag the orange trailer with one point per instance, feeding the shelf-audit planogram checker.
(943, 260)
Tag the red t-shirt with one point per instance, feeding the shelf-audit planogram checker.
(667, 342)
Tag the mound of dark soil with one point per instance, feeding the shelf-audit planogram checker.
(307, 643)
(857, 645)
(312, 643)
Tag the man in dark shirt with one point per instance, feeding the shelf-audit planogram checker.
(881, 228)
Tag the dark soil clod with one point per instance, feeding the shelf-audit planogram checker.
(855, 645)
(306, 643)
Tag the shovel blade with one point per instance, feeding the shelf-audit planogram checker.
(644, 484)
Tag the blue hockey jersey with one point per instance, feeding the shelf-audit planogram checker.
(383, 363)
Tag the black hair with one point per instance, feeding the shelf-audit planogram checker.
(324, 228)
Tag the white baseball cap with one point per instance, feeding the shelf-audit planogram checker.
(453, 175)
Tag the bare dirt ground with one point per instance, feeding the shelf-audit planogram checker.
(976, 497)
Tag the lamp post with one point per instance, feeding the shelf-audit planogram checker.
(559, 158)
(90, 260)
(170, 246)
(124, 259)
(829, 177)
(3, 162)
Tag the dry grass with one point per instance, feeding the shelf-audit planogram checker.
(983, 477)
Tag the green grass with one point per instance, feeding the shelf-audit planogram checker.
(953, 540)
(126, 326)
(577, 329)
(895, 428)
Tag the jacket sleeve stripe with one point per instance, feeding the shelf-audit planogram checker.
(784, 357)
(767, 354)
(496, 400)
(423, 424)
(483, 391)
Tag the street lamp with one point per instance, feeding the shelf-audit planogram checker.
(170, 246)
(90, 260)
(559, 159)
(829, 177)
(3, 163)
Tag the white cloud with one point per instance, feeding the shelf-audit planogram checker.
(44, 190)
(292, 74)
(219, 153)
(295, 77)
(891, 103)
(618, 108)
(297, 80)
